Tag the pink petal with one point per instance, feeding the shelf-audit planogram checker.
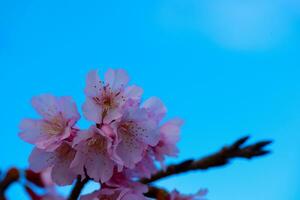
(69, 108)
(133, 197)
(168, 141)
(156, 108)
(112, 115)
(93, 196)
(61, 172)
(93, 84)
(82, 136)
(130, 151)
(133, 92)
(116, 79)
(146, 129)
(31, 130)
(46, 105)
(40, 160)
(97, 162)
(50, 143)
(171, 130)
(77, 165)
(149, 133)
(92, 111)
(99, 167)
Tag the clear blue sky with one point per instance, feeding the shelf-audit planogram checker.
(229, 68)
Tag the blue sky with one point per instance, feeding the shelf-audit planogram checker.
(229, 68)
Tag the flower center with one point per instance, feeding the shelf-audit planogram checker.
(126, 127)
(107, 99)
(130, 128)
(97, 143)
(64, 150)
(55, 126)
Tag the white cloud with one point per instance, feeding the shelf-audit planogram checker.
(241, 25)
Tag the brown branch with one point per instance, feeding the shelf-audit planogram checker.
(220, 158)
(157, 193)
(11, 177)
(79, 185)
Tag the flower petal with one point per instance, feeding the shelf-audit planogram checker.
(61, 172)
(116, 79)
(31, 130)
(40, 160)
(92, 111)
(112, 115)
(149, 133)
(46, 105)
(68, 108)
(93, 84)
(170, 130)
(155, 108)
(99, 167)
(130, 151)
(133, 92)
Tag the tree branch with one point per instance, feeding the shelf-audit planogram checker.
(157, 193)
(220, 158)
(11, 177)
(79, 185)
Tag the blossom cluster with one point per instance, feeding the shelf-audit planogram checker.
(126, 141)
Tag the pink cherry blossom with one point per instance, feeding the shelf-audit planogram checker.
(105, 100)
(155, 108)
(126, 142)
(135, 133)
(145, 168)
(119, 188)
(59, 161)
(175, 195)
(114, 194)
(122, 179)
(47, 177)
(169, 136)
(59, 115)
(95, 155)
(52, 197)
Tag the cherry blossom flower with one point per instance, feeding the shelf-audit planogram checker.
(59, 161)
(59, 116)
(115, 194)
(95, 155)
(119, 188)
(169, 136)
(155, 108)
(169, 131)
(135, 133)
(105, 100)
(126, 143)
(145, 168)
(175, 195)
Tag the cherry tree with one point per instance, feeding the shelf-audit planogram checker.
(124, 149)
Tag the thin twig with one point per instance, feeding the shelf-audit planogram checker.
(222, 157)
(79, 185)
(157, 193)
(11, 177)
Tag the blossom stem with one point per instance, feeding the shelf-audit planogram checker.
(11, 177)
(79, 185)
(220, 158)
(157, 193)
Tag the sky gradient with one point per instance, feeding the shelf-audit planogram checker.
(229, 68)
